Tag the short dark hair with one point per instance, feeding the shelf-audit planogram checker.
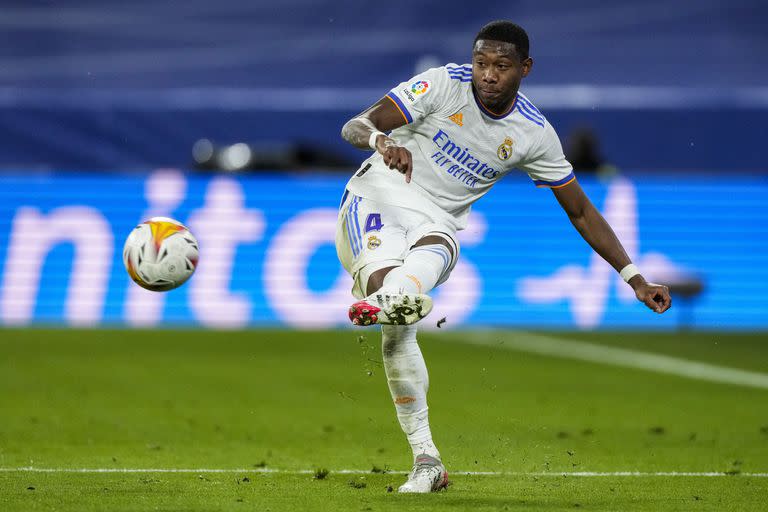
(508, 32)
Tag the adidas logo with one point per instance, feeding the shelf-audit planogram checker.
(457, 118)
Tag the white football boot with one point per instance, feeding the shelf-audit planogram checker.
(390, 309)
(428, 475)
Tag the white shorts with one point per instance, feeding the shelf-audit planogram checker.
(371, 235)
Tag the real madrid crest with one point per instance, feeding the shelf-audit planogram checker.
(505, 149)
(373, 242)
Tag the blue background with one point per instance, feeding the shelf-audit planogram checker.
(712, 227)
(107, 84)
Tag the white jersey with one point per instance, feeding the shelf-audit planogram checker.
(460, 149)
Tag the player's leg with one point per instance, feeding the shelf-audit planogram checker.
(371, 240)
(376, 279)
(408, 382)
(433, 252)
(427, 263)
(387, 306)
(404, 365)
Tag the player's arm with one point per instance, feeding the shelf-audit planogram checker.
(382, 116)
(598, 233)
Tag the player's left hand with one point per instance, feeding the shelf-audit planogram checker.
(655, 296)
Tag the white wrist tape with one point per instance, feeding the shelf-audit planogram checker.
(373, 137)
(629, 272)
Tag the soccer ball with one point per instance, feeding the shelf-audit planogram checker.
(160, 254)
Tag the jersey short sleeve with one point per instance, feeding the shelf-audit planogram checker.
(421, 95)
(546, 164)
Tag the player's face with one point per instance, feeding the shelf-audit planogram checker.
(497, 71)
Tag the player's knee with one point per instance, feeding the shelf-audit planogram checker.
(439, 239)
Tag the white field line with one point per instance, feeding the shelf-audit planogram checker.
(367, 472)
(594, 353)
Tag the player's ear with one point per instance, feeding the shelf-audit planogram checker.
(527, 65)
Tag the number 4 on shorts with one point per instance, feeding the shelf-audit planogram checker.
(373, 222)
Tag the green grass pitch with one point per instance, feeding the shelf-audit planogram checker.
(254, 402)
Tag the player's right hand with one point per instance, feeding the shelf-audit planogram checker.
(395, 157)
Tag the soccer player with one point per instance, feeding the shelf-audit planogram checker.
(454, 132)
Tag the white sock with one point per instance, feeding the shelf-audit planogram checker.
(421, 270)
(408, 383)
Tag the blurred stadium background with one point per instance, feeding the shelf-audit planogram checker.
(226, 115)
